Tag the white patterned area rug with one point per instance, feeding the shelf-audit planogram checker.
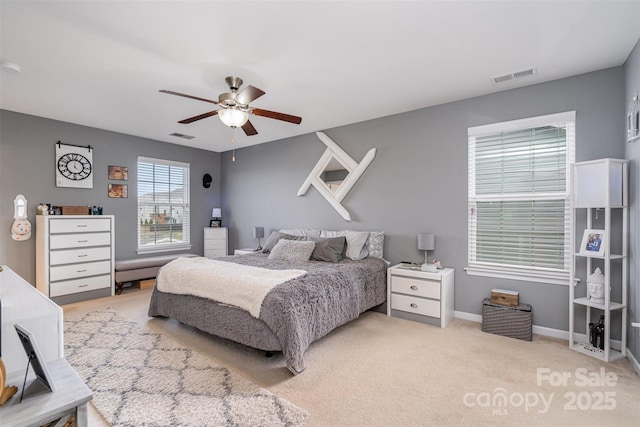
(141, 378)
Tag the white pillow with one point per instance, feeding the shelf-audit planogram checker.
(292, 250)
(308, 232)
(356, 242)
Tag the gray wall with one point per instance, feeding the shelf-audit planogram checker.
(27, 166)
(418, 180)
(632, 87)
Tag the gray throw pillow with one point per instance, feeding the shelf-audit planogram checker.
(292, 250)
(330, 249)
(275, 237)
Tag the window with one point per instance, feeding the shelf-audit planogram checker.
(519, 207)
(163, 205)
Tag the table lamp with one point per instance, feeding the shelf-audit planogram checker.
(258, 233)
(427, 242)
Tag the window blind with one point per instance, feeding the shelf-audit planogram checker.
(519, 211)
(163, 205)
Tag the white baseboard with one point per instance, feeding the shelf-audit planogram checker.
(633, 361)
(540, 330)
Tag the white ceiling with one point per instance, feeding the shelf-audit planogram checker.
(101, 63)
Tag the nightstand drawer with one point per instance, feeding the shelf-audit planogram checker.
(425, 307)
(415, 287)
(215, 244)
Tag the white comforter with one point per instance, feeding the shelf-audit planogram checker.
(234, 284)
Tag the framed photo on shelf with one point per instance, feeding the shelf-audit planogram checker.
(215, 223)
(593, 243)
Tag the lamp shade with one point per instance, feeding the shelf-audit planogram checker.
(216, 213)
(426, 241)
(258, 232)
(233, 118)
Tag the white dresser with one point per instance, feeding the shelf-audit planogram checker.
(23, 304)
(419, 295)
(215, 241)
(75, 257)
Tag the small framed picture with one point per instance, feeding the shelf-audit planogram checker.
(215, 223)
(593, 243)
(120, 173)
(118, 191)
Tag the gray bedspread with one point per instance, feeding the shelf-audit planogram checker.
(295, 313)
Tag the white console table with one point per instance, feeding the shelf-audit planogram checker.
(23, 304)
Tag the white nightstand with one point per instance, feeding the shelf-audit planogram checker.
(215, 242)
(419, 295)
(246, 251)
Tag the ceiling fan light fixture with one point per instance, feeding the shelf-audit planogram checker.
(233, 118)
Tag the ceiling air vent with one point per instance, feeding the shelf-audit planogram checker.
(182, 135)
(512, 76)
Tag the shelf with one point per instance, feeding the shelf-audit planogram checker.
(612, 256)
(592, 351)
(586, 302)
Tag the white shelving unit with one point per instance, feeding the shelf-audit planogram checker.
(600, 188)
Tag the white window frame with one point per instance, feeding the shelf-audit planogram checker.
(514, 272)
(185, 243)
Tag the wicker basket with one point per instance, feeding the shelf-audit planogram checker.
(512, 322)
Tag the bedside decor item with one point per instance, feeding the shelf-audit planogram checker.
(74, 166)
(216, 218)
(593, 243)
(119, 173)
(633, 119)
(427, 242)
(6, 391)
(21, 227)
(206, 180)
(354, 169)
(258, 233)
(595, 287)
(118, 191)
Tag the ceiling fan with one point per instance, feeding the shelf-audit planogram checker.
(235, 108)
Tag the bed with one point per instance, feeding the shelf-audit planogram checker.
(292, 314)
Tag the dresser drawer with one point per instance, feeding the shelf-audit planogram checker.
(215, 233)
(425, 307)
(210, 253)
(76, 225)
(79, 255)
(79, 285)
(63, 241)
(414, 286)
(74, 271)
(216, 244)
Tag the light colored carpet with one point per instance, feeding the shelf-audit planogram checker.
(141, 378)
(381, 371)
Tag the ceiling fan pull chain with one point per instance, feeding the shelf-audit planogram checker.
(233, 143)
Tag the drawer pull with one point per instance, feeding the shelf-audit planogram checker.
(82, 256)
(81, 271)
(82, 286)
(82, 241)
(414, 287)
(414, 305)
(81, 225)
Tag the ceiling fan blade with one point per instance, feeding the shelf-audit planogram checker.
(249, 94)
(278, 116)
(170, 92)
(249, 129)
(200, 117)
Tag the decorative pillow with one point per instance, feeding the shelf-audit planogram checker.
(330, 249)
(356, 242)
(292, 250)
(375, 244)
(275, 237)
(308, 232)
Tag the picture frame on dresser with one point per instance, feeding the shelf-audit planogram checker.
(215, 223)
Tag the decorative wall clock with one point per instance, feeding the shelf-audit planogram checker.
(74, 166)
